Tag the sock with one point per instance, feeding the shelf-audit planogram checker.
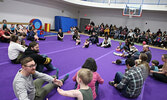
(65, 78)
(57, 73)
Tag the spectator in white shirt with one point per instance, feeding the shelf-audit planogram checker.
(15, 50)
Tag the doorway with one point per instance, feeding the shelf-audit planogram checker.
(83, 23)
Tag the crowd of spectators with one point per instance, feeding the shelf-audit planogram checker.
(158, 38)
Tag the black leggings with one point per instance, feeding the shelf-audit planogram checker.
(160, 77)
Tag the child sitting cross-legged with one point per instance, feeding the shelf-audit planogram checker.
(84, 77)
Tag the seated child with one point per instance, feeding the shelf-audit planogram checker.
(12, 29)
(78, 40)
(120, 47)
(119, 62)
(21, 37)
(137, 62)
(106, 42)
(32, 35)
(154, 66)
(84, 77)
(86, 44)
(124, 54)
(90, 64)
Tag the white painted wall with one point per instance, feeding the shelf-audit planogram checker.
(120, 4)
(154, 19)
(25, 10)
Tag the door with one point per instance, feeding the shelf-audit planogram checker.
(83, 23)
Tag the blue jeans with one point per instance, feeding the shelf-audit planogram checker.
(40, 67)
(118, 77)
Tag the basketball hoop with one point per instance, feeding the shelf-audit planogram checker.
(132, 11)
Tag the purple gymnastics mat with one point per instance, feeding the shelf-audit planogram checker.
(69, 58)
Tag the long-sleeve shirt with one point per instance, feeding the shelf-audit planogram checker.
(36, 57)
(149, 55)
(133, 79)
(96, 78)
(14, 50)
(24, 87)
(108, 42)
(164, 68)
(145, 71)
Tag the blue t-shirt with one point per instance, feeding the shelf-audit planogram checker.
(154, 68)
(4, 26)
(12, 28)
(121, 47)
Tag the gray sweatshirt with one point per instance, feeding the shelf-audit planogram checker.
(24, 87)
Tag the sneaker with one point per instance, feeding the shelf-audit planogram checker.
(66, 77)
(57, 73)
(111, 83)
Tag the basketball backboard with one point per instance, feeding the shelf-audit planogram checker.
(132, 11)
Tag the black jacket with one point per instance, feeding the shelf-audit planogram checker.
(33, 54)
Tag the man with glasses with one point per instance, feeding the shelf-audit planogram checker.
(27, 89)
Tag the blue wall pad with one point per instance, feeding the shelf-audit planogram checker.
(64, 23)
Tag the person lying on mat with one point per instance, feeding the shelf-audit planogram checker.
(41, 60)
(119, 62)
(130, 84)
(25, 88)
(90, 63)
(60, 35)
(84, 77)
(161, 75)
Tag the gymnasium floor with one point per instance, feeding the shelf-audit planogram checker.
(69, 58)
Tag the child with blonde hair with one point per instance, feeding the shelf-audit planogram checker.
(120, 47)
(137, 62)
(84, 77)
